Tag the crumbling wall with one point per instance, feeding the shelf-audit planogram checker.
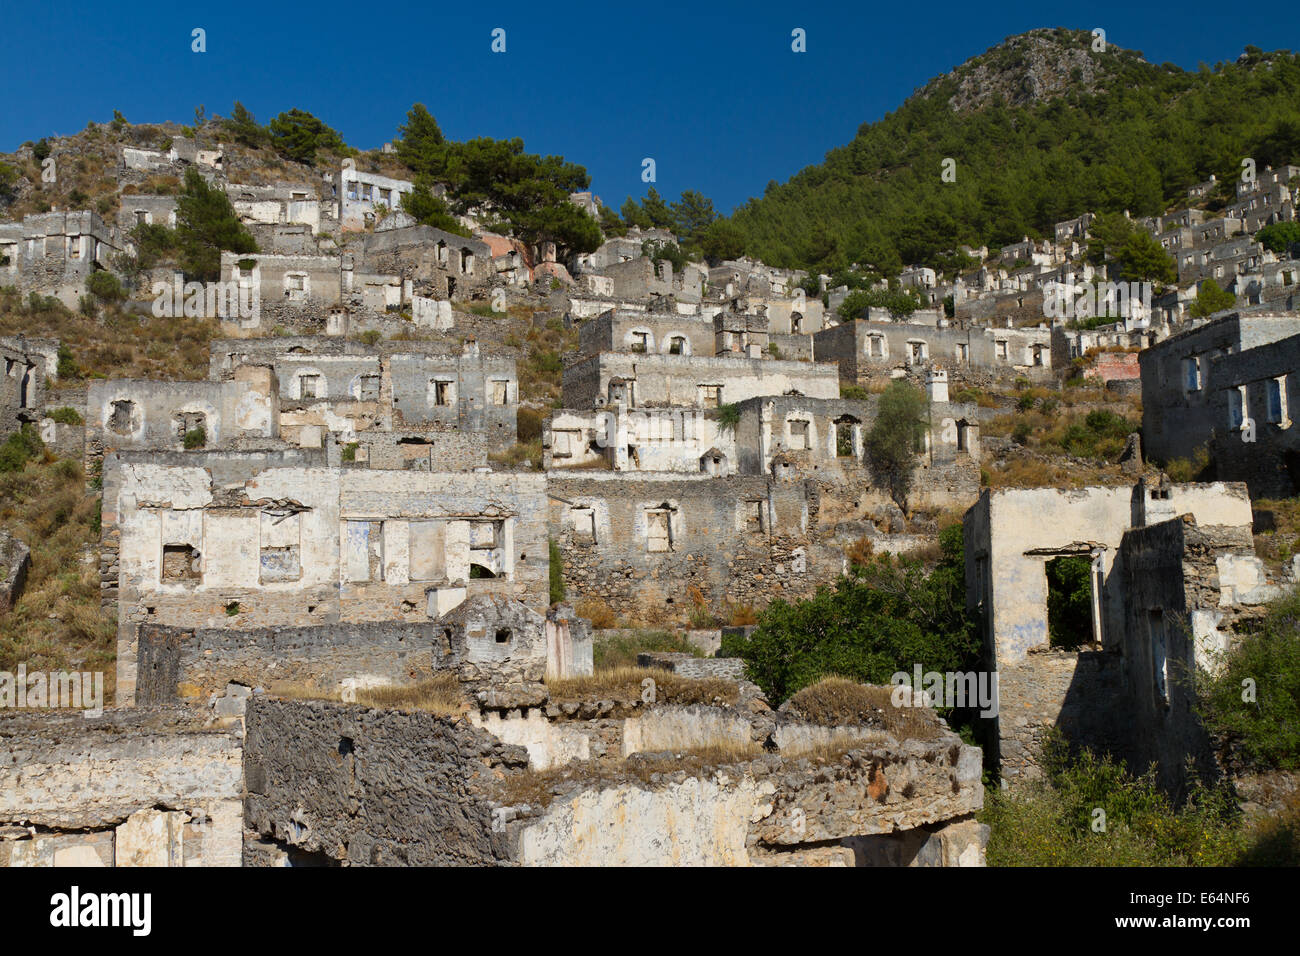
(129, 788)
(371, 787)
(743, 538)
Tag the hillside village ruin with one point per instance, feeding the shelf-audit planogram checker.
(333, 506)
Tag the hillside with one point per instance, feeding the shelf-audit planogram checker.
(1042, 128)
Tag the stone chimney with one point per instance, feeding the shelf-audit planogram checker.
(936, 385)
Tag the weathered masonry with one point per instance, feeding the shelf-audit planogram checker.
(866, 350)
(611, 378)
(1228, 386)
(1144, 583)
(298, 545)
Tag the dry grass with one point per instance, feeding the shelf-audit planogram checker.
(1279, 545)
(621, 649)
(623, 684)
(1035, 472)
(438, 695)
(119, 344)
(739, 615)
(518, 454)
(597, 611)
(538, 788)
(837, 701)
(58, 622)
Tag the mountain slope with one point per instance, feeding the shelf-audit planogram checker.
(1041, 129)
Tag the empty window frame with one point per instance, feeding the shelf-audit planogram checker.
(1192, 374)
(309, 386)
(658, 530)
(280, 543)
(1237, 406)
(500, 392)
(368, 388)
(799, 435)
(710, 396)
(1278, 413)
(442, 392)
(181, 564)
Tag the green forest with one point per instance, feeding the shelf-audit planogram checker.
(1134, 140)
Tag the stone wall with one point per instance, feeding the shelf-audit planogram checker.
(747, 539)
(1080, 693)
(373, 788)
(130, 788)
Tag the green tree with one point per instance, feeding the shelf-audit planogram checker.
(722, 239)
(8, 182)
(1142, 258)
(430, 210)
(1210, 299)
(657, 211)
(633, 215)
(298, 135)
(610, 223)
(1279, 236)
(693, 213)
(422, 146)
(207, 225)
(895, 438)
(887, 616)
(900, 303)
(1264, 730)
(244, 128)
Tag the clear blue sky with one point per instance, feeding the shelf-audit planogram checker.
(710, 90)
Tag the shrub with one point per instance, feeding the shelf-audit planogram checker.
(196, 438)
(232, 608)
(1260, 719)
(888, 616)
(895, 438)
(105, 287)
(19, 448)
(67, 416)
(855, 392)
(68, 367)
(528, 424)
(1189, 469)
(728, 417)
(1050, 822)
(556, 569)
(349, 452)
(370, 337)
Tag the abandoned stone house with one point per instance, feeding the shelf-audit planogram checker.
(1173, 566)
(53, 253)
(785, 437)
(138, 414)
(1227, 386)
(277, 204)
(290, 290)
(435, 263)
(146, 210)
(27, 365)
(340, 386)
(228, 539)
(700, 381)
(871, 350)
(638, 542)
(360, 196)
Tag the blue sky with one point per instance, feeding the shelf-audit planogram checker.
(711, 91)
